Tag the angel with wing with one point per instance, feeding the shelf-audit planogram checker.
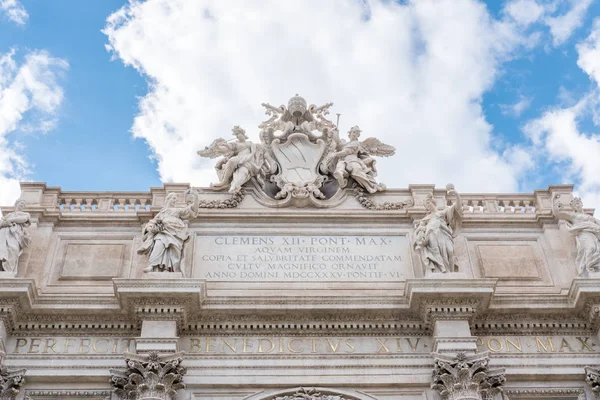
(242, 160)
(354, 159)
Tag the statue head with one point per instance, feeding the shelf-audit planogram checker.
(239, 133)
(577, 204)
(297, 106)
(429, 203)
(20, 204)
(354, 133)
(171, 199)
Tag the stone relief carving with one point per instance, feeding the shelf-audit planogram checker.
(165, 234)
(466, 377)
(11, 382)
(301, 160)
(311, 394)
(586, 230)
(13, 236)
(368, 203)
(434, 235)
(149, 377)
(241, 160)
(592, 377)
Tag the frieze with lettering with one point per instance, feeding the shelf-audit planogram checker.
(376, 345)
(538, 344)
(302, 258)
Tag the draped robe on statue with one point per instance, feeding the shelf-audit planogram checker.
(164, 237)
(434, 239)
(587, 235)
(13, 239)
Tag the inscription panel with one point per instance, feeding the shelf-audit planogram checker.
(302, 258)
(507, 261)
(101, 261)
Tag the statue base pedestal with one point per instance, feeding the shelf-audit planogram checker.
(162, 275)
(447, 275)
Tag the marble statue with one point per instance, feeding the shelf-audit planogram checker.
(300, 161)
(434, 234)
(587, 234)
(354, 159)
(242, 160)
(13, 237)
(166, 233)
(297, 117)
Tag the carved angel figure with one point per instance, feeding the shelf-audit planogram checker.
(165, 234)
(434, 235)
(353, 159)
(241, 160)
(13, 237)
(297, 117)
(586, 230)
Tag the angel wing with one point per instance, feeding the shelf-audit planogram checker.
(374, 147)
(212, 151)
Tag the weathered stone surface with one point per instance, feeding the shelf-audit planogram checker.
(79, 299)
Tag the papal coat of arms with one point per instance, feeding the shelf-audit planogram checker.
(301, 159)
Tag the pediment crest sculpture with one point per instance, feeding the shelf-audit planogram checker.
(300, 160)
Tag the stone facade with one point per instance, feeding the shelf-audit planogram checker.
(298, 276)
(297, 303)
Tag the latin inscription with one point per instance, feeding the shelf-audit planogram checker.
(302, 345)
(302, 258)
(305, 345)
(537, 344)
(70, 345)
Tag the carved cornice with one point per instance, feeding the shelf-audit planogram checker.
(154, 299)
(149, 376)
(466, 377)
(449, 298)
(538, 392)
(42, 394)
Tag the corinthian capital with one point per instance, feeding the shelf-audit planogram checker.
(149, 377)
(11, 382)
(592, 377)
(466, 377)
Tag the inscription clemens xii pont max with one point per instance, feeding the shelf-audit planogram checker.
(302, 258)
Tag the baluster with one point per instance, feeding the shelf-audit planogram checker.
(121, 205)
(77, 206)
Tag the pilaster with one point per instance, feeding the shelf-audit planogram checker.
(448, 305)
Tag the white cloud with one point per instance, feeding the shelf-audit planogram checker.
(517, 108)
(14, 11)
(411, 74)
(589, 53)
(562, 26)
(560, 134)
(29, 97)
(525, 12)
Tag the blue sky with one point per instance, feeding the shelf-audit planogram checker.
(488, 95)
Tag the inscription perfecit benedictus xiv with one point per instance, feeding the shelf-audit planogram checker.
(273, 344)
(302, 258)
